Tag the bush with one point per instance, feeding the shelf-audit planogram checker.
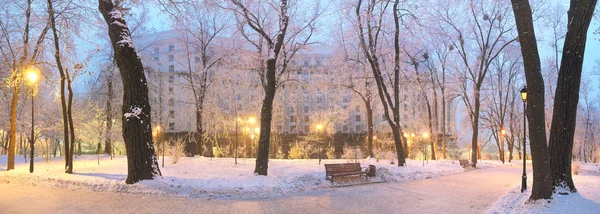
(301, 150)
(177, 149)
(330, 152)
(352, 152)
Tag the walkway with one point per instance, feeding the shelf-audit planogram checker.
(469, 192)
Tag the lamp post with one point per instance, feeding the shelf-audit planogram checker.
(319, 130)
(524, 98)
(32, 78)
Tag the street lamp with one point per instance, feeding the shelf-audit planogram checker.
(319, 130)
(32, 78)
(524, 98)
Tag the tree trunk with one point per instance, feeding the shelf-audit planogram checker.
(436, 131)
(199, 131)
(137, 127)
(12, 141)
(63, 78)
(566, 98)
(542, 180)
(262, 158)
(369, 130)
(443, 124)
(109, 113)
(475, 127)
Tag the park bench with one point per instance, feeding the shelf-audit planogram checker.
(344, 170)
(464, 163)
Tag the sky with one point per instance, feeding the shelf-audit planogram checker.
(159, 21)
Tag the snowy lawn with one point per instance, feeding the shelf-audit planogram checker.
(213, 178)
(587, 200)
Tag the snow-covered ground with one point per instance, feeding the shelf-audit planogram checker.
(586, 200)
(213, 178)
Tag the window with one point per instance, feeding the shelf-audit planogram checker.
(345, 128)
(358, 128)
(171, 90)
(306, 63)
(306, 119)
(197, 59)
(292, 128)
(307, 129)
(346, 99)
(157, 59)
(172, 114)
(171, 58)
(171, 68)
(318, 62)
(171, 101)
(319, 99)
(292, 110)
(357, 118)
(171, 79)
(306, 109)
(171, 47)
(292, 119)
(171, 126)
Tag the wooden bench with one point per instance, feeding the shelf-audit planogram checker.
(464, 163)
(344, 170)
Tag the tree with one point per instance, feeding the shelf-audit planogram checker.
(200, 25)
(279, 52)
(68, 129)
(566, 98)
(542, 186)
(489, 31)
(19, 59)
(137, 127)
(370, 45)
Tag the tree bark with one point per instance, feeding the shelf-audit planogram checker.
(566, 98)
(137, 127)
(262, 159)
(109, 113)
(369, 130)
(542, 180)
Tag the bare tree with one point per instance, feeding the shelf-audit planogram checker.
(19, 55)
(542, 186)
(200, 24)
(137, 127)
(271, 22)
(488, 33)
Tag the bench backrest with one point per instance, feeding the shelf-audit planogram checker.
(463, 162)
(342, 167)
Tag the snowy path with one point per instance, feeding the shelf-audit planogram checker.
(469, 192)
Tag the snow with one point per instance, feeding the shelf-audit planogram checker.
(135, 112)
(202, 177)
(586, 200)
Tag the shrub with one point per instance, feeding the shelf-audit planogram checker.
(301, 150)
(352, 152)
(177, 149)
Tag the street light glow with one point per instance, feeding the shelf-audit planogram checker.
(319, 127)
(503, 132)
(251, 120)
(425, 134)
(32, 75)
